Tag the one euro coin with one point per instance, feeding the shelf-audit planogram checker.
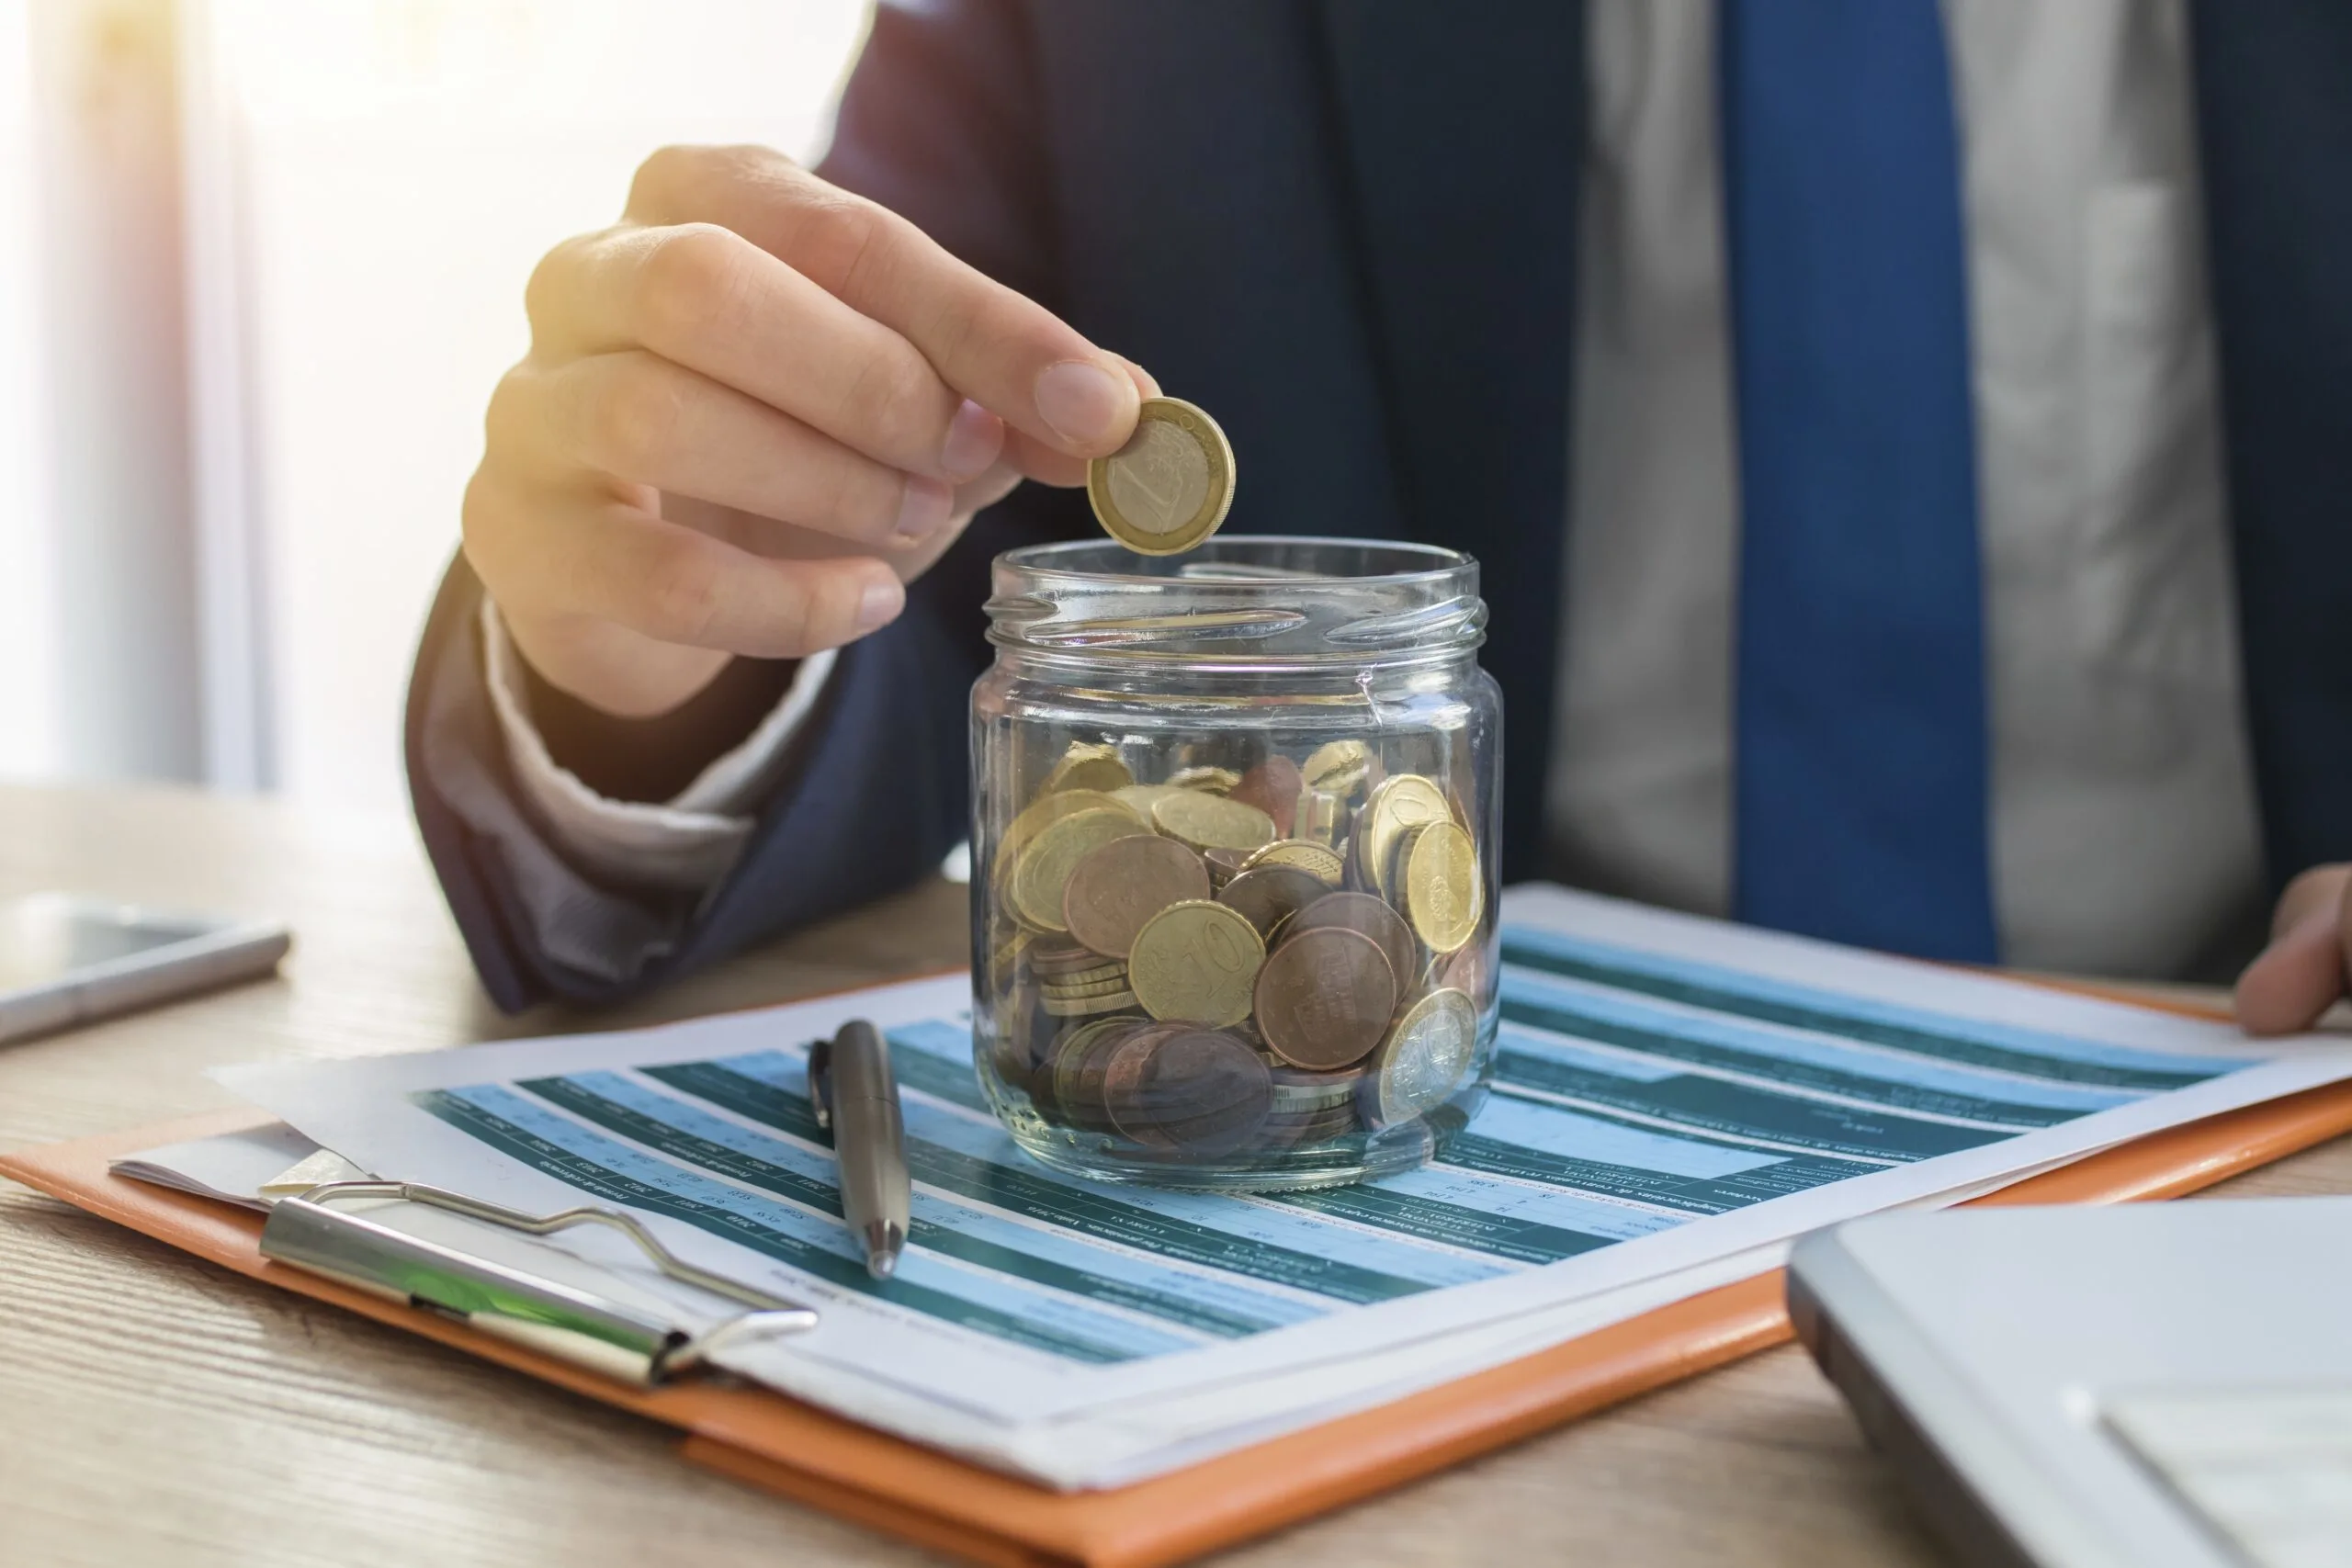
(1169, 486)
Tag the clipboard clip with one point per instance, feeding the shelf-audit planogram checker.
(612, 1337)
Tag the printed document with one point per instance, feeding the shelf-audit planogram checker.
(1674, 1100)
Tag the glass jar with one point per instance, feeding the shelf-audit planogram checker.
(1233, 863)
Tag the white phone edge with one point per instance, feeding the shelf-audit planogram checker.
(243, 951)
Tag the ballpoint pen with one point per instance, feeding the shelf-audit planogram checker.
(852, 1091)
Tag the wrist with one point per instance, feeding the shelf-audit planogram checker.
(608, 668)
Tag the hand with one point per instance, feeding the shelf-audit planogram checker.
(754, 409)
(2306, 967)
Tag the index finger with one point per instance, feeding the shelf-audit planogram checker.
(998, 348)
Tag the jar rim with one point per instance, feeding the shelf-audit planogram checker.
(1258, 601)
(1046, 560)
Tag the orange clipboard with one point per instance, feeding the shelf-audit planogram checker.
(832, 1463)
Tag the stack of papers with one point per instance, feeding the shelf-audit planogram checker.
(1675, 1100)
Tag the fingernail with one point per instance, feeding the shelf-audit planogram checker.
(1150, 382)
(879, 605)
(975, 437)
(924, 507)
(1082, 401)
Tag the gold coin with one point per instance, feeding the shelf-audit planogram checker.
(1211, 821)
(1405, 801)
(1141, 798)
(1322, 860)
(1087, 1007)
(1005, 956)
(1047, 809)
(1332, 759)
(1084, 977)
(1216, 781)
(1317, 817)
(1070, 992)
(1042, 870)
(1444, 894)
(1169, 486)
(1197, 961)
(1084, 766)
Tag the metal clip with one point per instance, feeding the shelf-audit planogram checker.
(590, 1330)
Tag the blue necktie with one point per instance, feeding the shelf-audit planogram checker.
(1860, 764)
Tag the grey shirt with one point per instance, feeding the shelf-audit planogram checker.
(2125, 839)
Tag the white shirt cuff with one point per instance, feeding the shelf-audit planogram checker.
(687, 843)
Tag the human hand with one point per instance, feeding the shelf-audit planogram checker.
(753, 409)
(2308, 965)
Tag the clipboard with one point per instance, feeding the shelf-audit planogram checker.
(832, 1464)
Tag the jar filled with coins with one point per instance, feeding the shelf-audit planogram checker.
(1234, 860)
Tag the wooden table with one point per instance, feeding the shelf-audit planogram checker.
(156, 1410)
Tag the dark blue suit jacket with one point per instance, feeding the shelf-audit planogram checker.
(1347, 226)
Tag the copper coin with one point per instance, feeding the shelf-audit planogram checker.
(1126, 1099)
(1463, 970)
(1270, 894)
(1061, 957)
(1365, 913)
(1324, 999)
(1199, 1091)
(1272, 787)
(1075, 1069)
(1224, 864)
(1114, 891)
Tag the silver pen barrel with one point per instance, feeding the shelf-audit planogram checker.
(869, 1144)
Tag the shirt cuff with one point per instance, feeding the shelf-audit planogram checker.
(685, 843)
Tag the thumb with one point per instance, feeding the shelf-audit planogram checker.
(2302, 973)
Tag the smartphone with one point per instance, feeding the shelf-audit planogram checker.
(65, 960)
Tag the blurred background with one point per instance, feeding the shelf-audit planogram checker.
(261, 262)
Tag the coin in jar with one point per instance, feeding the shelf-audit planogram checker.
(1400, 804)
(1200, 1092)
(1304, 853)
(1443, 893)
(1284, 1131)
(1323, 1000)
(1224, 864)
(1122, 883)
(1318, 817)
(1212, 821)
(1204, 777)
(1303, 1100)
(1090, 767)
(1076, 978)
(1362, 912)
(1042, 870)
(1272, 787)
(1169, 486)
(1048, 809)
(1423, 1061)
(1465, 969)
(1270, 894)
(1196, 962)
(1340, 767)
(1071, 990)
(1076, 1067)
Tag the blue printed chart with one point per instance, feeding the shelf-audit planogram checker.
(1672, 1097)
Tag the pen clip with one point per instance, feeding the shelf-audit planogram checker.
(820, 1082)
(589, 1328)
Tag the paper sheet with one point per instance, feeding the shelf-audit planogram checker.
(1675, 1098)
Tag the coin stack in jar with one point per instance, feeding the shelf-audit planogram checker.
(1228, 963)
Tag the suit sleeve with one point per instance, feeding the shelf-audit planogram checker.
(938, 122)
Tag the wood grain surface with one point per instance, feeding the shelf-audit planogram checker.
(157, 1410)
